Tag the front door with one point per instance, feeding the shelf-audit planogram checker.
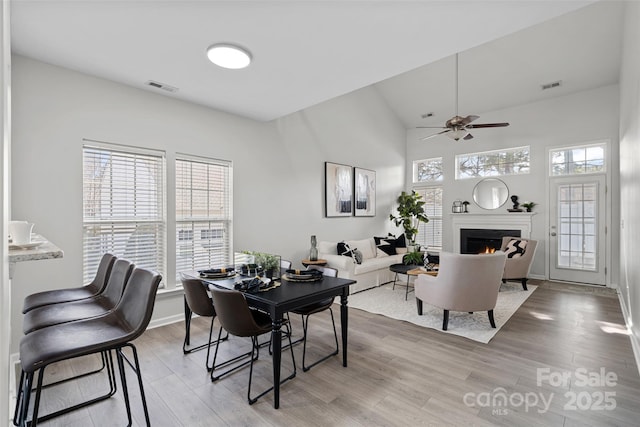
(577, 229)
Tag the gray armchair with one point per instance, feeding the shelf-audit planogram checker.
(518, 265)
(464, 283)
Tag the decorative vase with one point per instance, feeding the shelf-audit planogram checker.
(313, 253)
(528, 209)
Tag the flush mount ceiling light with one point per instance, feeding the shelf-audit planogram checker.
(229, 56)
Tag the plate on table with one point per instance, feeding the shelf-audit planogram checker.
(302, 275)
(217, 273)
(31, 245)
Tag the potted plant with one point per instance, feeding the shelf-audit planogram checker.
(413, 258)
(410, 215)
(529, 206)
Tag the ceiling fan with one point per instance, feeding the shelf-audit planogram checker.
(458, 127)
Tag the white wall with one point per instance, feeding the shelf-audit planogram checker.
(568, 120)
(630, 174)
(278, 167)
(5, 142)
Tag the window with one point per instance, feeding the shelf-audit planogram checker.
(203, 213)
(428, 170)
(577, 160)
(430, 234)
(123, 206)
(511, 161)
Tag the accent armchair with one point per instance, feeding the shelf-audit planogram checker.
(520, 252)
(464, 283)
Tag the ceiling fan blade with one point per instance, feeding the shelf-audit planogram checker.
(468, 137)
(469, 119)
(435, 134)
(430, 127)
(487, 125)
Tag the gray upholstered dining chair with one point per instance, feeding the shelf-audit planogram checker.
(238, 319)
(199, 302)
(464, 283)
(318, 307)
(520, 253)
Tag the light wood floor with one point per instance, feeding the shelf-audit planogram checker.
(399, 374)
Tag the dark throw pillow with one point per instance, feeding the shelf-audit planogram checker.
(401, 242)
(515, 248)
(345, 250)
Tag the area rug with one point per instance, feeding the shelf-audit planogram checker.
(391, 303)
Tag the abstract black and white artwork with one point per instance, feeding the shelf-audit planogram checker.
(365, 192)
(338, 190)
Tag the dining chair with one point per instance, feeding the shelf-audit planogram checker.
(238, 319)
(113, 331)
(199, 302)
(97, 305)
(285, 264)
(318, 307)
(55, 296)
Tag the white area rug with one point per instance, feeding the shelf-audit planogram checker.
(388, 302)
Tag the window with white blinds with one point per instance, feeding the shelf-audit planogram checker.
(430, 234)
(203, 213)
(123, 206)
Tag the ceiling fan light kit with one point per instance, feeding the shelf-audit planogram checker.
(458, 127)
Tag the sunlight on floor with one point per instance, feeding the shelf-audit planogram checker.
(613, 328)
(541, 316)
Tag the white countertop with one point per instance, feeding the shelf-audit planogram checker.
(46, 250)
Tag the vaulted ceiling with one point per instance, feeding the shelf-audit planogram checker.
(306, 52)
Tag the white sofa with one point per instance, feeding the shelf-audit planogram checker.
(374, 270)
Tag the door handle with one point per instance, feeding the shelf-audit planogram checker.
(553, 233)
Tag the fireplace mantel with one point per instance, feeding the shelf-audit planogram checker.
(513, 221)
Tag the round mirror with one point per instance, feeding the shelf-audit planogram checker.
(490, 193)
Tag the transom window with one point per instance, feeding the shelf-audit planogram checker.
(203, 213)
(428, 170)
(578, 160)
(430, 234)
(508, 161)
(123, 206)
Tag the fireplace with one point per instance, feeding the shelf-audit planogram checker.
(480, 240)
(515, 224)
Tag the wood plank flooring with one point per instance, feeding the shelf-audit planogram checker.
(399, 374)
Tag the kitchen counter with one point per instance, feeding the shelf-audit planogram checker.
(46, 250)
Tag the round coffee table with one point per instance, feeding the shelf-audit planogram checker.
(402, 269)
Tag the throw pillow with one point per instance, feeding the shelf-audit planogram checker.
(401, 242)
(381, 254)
(515, 248)
(387, 249)
(357, 256)
(344, 249)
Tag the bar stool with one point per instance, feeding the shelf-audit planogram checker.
(111, 332)
(92, 289)
(97, 305)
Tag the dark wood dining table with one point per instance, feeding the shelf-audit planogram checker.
(284, 298)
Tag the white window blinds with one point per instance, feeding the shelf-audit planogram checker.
(123, 206)
(203, 213)
(430, 234)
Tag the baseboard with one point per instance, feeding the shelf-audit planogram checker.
(635, 340)
(156, 323)
(14, 366)
(537, 276)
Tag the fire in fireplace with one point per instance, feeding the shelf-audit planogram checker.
(480, 240)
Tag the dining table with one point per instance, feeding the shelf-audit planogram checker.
(286, 296)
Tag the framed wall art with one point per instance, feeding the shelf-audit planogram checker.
(338, 190)
(364, 184)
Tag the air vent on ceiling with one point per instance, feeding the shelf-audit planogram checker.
(552, 85)
(425, 115)
(162, 86)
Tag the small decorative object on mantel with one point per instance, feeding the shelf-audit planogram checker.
(313, 252)
(529, 206)
(465, 205)
(516, 204)
(457, 206)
